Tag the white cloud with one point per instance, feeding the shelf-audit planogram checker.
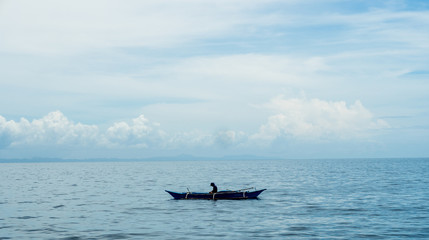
(386, 26)
(136, 134)
(314, 119)
(250, 67)
(244, 77)
(56, 27)
(54, 128)
(229, 138)
(189, 139)
(309, 120)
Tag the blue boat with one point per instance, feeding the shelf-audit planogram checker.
(235, 195)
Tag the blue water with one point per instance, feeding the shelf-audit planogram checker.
(306, 199)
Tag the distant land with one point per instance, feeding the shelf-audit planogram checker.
(177, 158)
(183, 157)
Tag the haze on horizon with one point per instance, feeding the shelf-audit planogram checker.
(290, 79)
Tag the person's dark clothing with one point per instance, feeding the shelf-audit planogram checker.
(214, 188)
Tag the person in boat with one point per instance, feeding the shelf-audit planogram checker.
(214, 188)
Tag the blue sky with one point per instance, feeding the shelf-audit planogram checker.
(289, 79)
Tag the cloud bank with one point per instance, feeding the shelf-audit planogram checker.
(315, 119)
(300, 118)
(53, 129)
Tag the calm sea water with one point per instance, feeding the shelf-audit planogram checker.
(306, 199)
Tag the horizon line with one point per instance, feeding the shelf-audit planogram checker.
(184, 157)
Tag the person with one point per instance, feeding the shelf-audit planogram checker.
(214, 188)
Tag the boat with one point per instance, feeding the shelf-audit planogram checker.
(235, 195)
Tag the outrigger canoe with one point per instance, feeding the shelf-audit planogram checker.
(219, 195)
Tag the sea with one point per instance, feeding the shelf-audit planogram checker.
(305, 199)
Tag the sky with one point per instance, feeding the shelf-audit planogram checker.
(279, 79)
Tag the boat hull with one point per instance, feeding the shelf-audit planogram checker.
(235, 195)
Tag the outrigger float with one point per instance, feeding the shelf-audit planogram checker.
(232, 195)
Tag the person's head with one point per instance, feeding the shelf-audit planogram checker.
(212, 184)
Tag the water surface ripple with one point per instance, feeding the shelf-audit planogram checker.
(306, 199)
